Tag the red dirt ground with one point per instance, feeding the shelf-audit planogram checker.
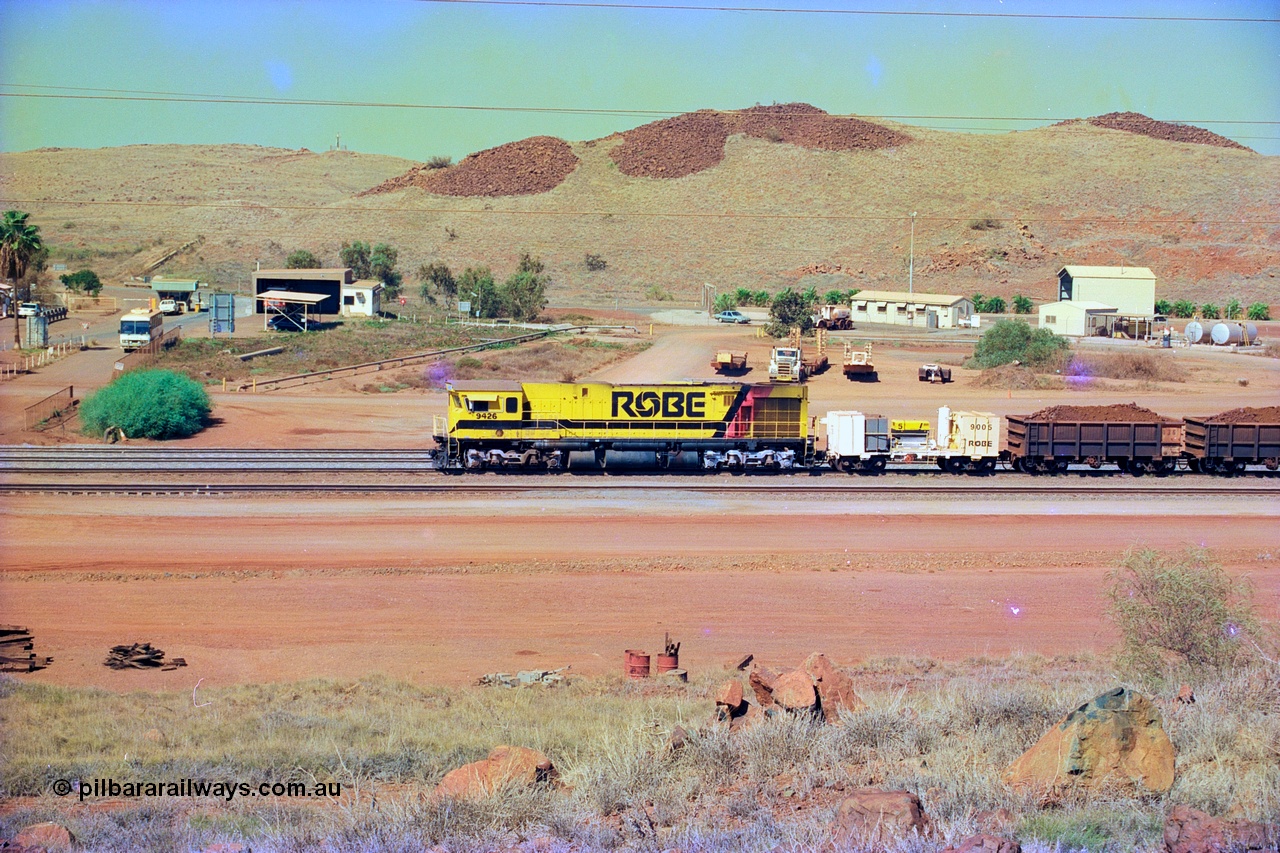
(1145, 126)
(527, 167)
(441, 590)
(689, 143)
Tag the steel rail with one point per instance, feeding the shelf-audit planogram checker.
(732, 487)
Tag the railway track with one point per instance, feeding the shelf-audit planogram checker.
(775, 487)
(64, 469)
(87, 458)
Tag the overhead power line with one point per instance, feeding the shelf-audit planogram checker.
(899, 13)
(105, 94)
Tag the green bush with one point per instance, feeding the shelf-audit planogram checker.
(1234, 309)
(789, 310)
(147, 404)
(1179, 614)
(724, 302)
(1022, 304)
(82, 281)
(1210, 311)
(1014, 340)
(1164, 306)
(1259, 311)
(1183, 308)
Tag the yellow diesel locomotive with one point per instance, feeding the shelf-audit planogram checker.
(535, 425)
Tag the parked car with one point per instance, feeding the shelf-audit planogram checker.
(285, 323)
(733, 317)
(30, 309)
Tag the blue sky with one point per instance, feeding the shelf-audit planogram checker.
(502, 72)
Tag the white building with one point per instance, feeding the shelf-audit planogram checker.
(1078, 319)
(362, 298)
(922, 310)
(1132, 290)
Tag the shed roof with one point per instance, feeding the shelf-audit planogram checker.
(291, 296)
(365, 284)
(341, 274)
(1073, 305)
(903, 296)
(1131, 273)
(174, 285)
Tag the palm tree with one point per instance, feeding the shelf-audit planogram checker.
(19, 244)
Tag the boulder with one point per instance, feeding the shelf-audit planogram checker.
(761, 680)
(751, 714)
(835, 688)
(730, 694)
(983, 843)
(1186, 696)
(48, 836)
(996, 820)
(870, 814)
(794, 691)
(1187, 830)
(678, 739)
(1116, 737)
(506, 765)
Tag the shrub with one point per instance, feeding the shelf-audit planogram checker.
(658, 293)
(1234, 309)
(743, 296)
(1179, 612)
(994, 305)
(987, 223)
(156, 404)
(762, 298)
(595, 263)
(1164, 306)
(789, 310)
(440, 161)
(1259, 311)
(1014, 340)
(1022, 304)
(1210, 311)
(1183, 308)
(83, 281)
(438, 277)
(724, 302)
(302, 260)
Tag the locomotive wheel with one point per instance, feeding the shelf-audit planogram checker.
(1057, 466)
(1094, 462)
(874, 466)
(983, 466)
(1272, 463)
(1136, 467)
(955, 466)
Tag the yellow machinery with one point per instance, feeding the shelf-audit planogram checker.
(536, 424)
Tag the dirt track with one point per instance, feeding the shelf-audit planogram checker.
(443, 590)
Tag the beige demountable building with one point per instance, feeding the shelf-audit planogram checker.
(1079, 319)
(900, 308)
(1131, 290)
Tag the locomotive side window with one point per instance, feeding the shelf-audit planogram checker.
(477, 405)
(513, 406)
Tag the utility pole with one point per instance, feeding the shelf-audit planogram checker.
(911, 264)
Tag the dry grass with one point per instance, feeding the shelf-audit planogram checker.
(359, 341)
(1143, 366)
(942, 730)
(269, 202)
(1016, 377)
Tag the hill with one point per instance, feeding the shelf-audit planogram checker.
(765, 198)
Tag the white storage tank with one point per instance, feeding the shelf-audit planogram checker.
(1194, 332)
(1224, 334)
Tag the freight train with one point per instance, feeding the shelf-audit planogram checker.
(534, 426)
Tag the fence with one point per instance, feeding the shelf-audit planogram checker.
(28, 363)
(144, 355)
(89, 303)
(52, 410)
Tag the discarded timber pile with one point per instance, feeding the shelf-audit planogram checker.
(141, 656)
(17, 650)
